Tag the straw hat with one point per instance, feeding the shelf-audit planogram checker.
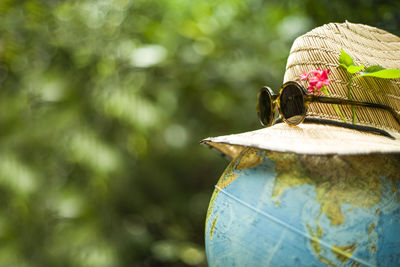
(324, 131)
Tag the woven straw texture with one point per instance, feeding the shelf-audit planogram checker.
(320, 48)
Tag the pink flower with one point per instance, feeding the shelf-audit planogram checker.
(316, 80)
(304, 75)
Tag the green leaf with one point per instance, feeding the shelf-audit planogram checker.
(373, 68)
(375, 71)
(354, 69)
(345, 60)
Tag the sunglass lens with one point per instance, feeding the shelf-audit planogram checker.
(292, 104)
(264, 109)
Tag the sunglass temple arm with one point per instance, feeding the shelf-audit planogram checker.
(348, 102)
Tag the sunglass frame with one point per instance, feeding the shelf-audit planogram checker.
(310, 98)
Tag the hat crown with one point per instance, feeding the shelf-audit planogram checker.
(321, 48)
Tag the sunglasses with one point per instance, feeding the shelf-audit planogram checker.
(293, 100)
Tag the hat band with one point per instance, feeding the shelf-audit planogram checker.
(366, 116)
(357, 127)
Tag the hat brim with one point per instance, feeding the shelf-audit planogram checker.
(307, 138)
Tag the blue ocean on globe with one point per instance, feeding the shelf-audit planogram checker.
(280, 209)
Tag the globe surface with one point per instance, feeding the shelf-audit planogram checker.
(279, 209)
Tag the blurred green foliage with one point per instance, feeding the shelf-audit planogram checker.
(102, 105)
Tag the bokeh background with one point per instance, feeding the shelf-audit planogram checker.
(102, 106)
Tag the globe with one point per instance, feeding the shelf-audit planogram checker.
(282, 209)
